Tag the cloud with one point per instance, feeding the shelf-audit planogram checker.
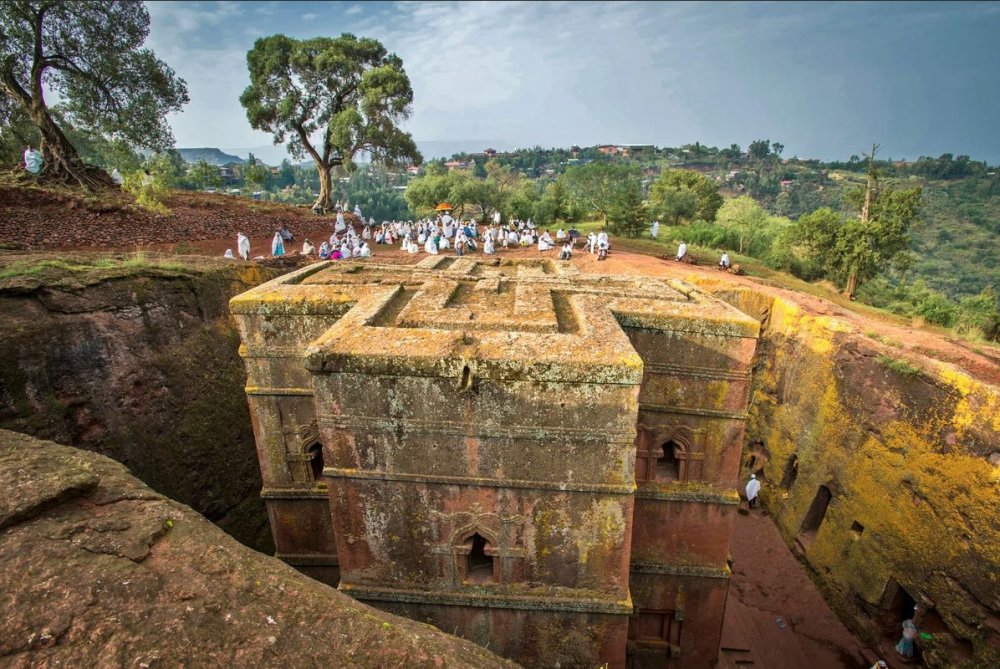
(310, 16)
(354, 9)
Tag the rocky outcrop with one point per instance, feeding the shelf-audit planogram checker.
(101, 571)
(137, 359)
(880, 470)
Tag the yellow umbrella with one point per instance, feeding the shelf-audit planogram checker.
(444, 206)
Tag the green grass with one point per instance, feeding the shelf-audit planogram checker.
(898, 366)
(136, 260)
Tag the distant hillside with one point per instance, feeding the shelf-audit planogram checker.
(209, 155)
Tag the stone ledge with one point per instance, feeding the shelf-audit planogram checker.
(366, 475)
(687, 493)
(490, 601)
(317, 492)
(666, 569)
(308, 559)
(693, 411)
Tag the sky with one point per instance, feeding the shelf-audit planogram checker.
(825, 79)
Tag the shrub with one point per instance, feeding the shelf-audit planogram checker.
(148, 190)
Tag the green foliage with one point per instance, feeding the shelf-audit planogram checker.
(628, 212)
(349, 90)
(979, 315)
(255, 175)
(90, 54)
(168, 168)
(754, 227)
(205, 175)
(681, 196)
(149, 190)
(602, 188)
(376, 196)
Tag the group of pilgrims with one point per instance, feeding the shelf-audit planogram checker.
(432, 236)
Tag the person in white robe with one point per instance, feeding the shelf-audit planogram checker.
(307, 247)
(682, 250)
(724, 261)
(356, 252)
(366, 251)
(277, 245)
(243, 245)
(430, 246)
(545, 242)
(602, 240)
(228, 255)
(412, 247)
(366, 233)
(753, 489)
(33, 160)
(496, 217)
(654, 232)
(560, 235)
(341, 225)
(357, 211)
(488, 247)
(592, 242)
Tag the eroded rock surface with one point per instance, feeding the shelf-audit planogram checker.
(101, 571)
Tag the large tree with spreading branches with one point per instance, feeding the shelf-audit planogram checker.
(90, 55)
(331, 99)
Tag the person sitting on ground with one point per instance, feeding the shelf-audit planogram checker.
(602, 248)
(229, 255)
(286, 234)
(682, 250)
(724, 263)
(430, 245)
(567, 251)
(365, 250)
(324, 251)
(307, 247)
(545, 242)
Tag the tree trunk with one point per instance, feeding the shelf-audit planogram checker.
(323, 201)
(852, 284)
(62, 162)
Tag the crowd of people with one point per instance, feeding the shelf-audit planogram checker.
(432, 236)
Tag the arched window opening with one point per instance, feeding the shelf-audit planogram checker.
(668, 465)
(466, 378)
(791, 472)
(316, 460)
(479, 565)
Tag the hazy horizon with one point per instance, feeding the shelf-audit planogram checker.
(826, 80)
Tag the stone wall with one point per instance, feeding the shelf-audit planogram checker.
(881, 473)
(139, 363)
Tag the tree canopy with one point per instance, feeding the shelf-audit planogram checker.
(682, 196)
(91, 55)
(852, 250)
(331, 99)
(607, 189)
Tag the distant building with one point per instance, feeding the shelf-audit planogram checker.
(413, 169)
(490, 153)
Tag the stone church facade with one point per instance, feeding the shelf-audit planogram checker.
(536, 459)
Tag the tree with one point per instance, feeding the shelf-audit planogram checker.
(684, 195)
(349, 91)
(854, 249)
(628, 213)
(759, 149)
(746, 217)
(600, 187)
(90, 54)
(255, 174)
(205, 175)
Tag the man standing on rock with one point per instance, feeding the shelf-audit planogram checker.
(753, 489)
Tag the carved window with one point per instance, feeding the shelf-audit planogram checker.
(668, 464)
(478, 562)
(315, 453)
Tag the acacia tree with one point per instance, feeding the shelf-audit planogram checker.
(91, 55)
(348, 90)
